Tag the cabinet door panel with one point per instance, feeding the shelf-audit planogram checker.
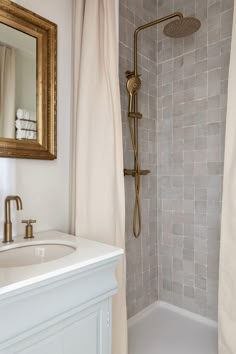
(79, 338)
(83, 336)
(85, 332)
(51, 345)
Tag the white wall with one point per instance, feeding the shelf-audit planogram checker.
(44, 185)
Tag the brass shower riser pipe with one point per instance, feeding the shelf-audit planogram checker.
(175, 29)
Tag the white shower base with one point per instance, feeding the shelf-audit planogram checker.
(166, 329)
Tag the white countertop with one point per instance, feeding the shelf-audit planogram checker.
(87, 253)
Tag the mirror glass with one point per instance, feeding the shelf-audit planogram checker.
(18, 84)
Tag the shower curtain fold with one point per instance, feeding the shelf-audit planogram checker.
(227, 282)
(7, 92)
(98, 207)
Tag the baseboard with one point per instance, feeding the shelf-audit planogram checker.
(136, 318)
(189, 314)
(161, 304)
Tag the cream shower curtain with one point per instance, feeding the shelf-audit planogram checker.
(98, 185)
(7, 92)
(227, 283)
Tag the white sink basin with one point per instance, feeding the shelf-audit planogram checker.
(28, 253)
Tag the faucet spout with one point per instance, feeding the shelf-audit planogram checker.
(8, 224)
(19, 205)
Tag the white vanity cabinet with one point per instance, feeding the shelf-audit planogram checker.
(62, 312)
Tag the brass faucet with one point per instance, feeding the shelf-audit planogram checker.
(8, 224)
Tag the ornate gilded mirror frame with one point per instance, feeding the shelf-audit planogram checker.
(45, 33)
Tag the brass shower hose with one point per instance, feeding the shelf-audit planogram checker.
(133, 84)
(137, 212)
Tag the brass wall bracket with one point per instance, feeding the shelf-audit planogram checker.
(137, 115)
(134, 173)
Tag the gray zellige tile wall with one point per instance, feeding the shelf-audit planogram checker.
(183, 100)
(141, 253)
(192, 94)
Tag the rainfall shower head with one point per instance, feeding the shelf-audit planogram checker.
(182, 27)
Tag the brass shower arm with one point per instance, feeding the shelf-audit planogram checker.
(147, 25)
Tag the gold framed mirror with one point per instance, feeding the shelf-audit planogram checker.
(28, 84)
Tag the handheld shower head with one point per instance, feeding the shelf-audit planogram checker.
(182, 27)
(133, 85)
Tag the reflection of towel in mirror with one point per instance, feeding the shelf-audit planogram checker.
(26, 134)
(22, 124)
(25, 114)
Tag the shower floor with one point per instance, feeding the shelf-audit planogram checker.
(165, 330)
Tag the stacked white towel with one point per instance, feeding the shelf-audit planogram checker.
(23, 124)
(25, 114)
(26, 134)
(26, 124)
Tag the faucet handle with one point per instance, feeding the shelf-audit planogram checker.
(28, 222)
(28, 228)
